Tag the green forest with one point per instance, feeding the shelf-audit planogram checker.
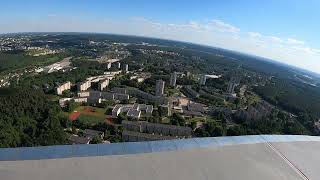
(28, 118)
(293, 97)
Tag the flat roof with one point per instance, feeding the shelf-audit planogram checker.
(262, 157)
(133, 113)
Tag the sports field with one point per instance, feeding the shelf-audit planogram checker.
(88, 114)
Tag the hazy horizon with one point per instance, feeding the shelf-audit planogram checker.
(283, 31)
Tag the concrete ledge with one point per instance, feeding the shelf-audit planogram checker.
(69, 151)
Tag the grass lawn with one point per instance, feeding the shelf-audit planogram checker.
(91, 111)
(197, 119)
(91, 115)
(20, 60)
(54, 98)
(89, 119)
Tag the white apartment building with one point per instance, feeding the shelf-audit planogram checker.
(63, 87)
(103, 84)
(83, 86)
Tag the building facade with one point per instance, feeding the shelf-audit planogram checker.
(103, 84)
(83, 86)
(159, 88)
(173, 79)
(203, 79)
(63, 87)
(125, 68)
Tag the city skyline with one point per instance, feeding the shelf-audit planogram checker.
(285, 31)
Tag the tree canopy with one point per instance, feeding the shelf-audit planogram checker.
(27, 118)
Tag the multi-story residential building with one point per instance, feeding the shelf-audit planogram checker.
(109, 66)
(203, 79)
(173, 79)
(159, 88)
(103, 84)
(231, 87)
(125, 68)
(118, 65)
(120, 97)
(80, 100)
(84, 94)
(190, 92)
(155, 128)
(63, 87)
(119, 90)
(83, 86)
(147, 96)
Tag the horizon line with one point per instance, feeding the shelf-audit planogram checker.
(262, 58)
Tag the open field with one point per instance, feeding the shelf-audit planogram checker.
(197, 119)
(13, 61)
(91, 111)
(90, 115)
(89, 119)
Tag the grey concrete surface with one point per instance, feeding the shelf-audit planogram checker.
(232, 162)
(304, 155)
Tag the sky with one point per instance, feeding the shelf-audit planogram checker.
(282, 30)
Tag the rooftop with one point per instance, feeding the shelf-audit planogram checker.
(133, 113)
(91, 133)
(244, 158)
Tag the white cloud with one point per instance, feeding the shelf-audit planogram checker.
(194, 25)
(275, 39)
(294, 41)
(221, 26)
(254, 34)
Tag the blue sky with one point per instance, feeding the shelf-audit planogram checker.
(284, 30)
